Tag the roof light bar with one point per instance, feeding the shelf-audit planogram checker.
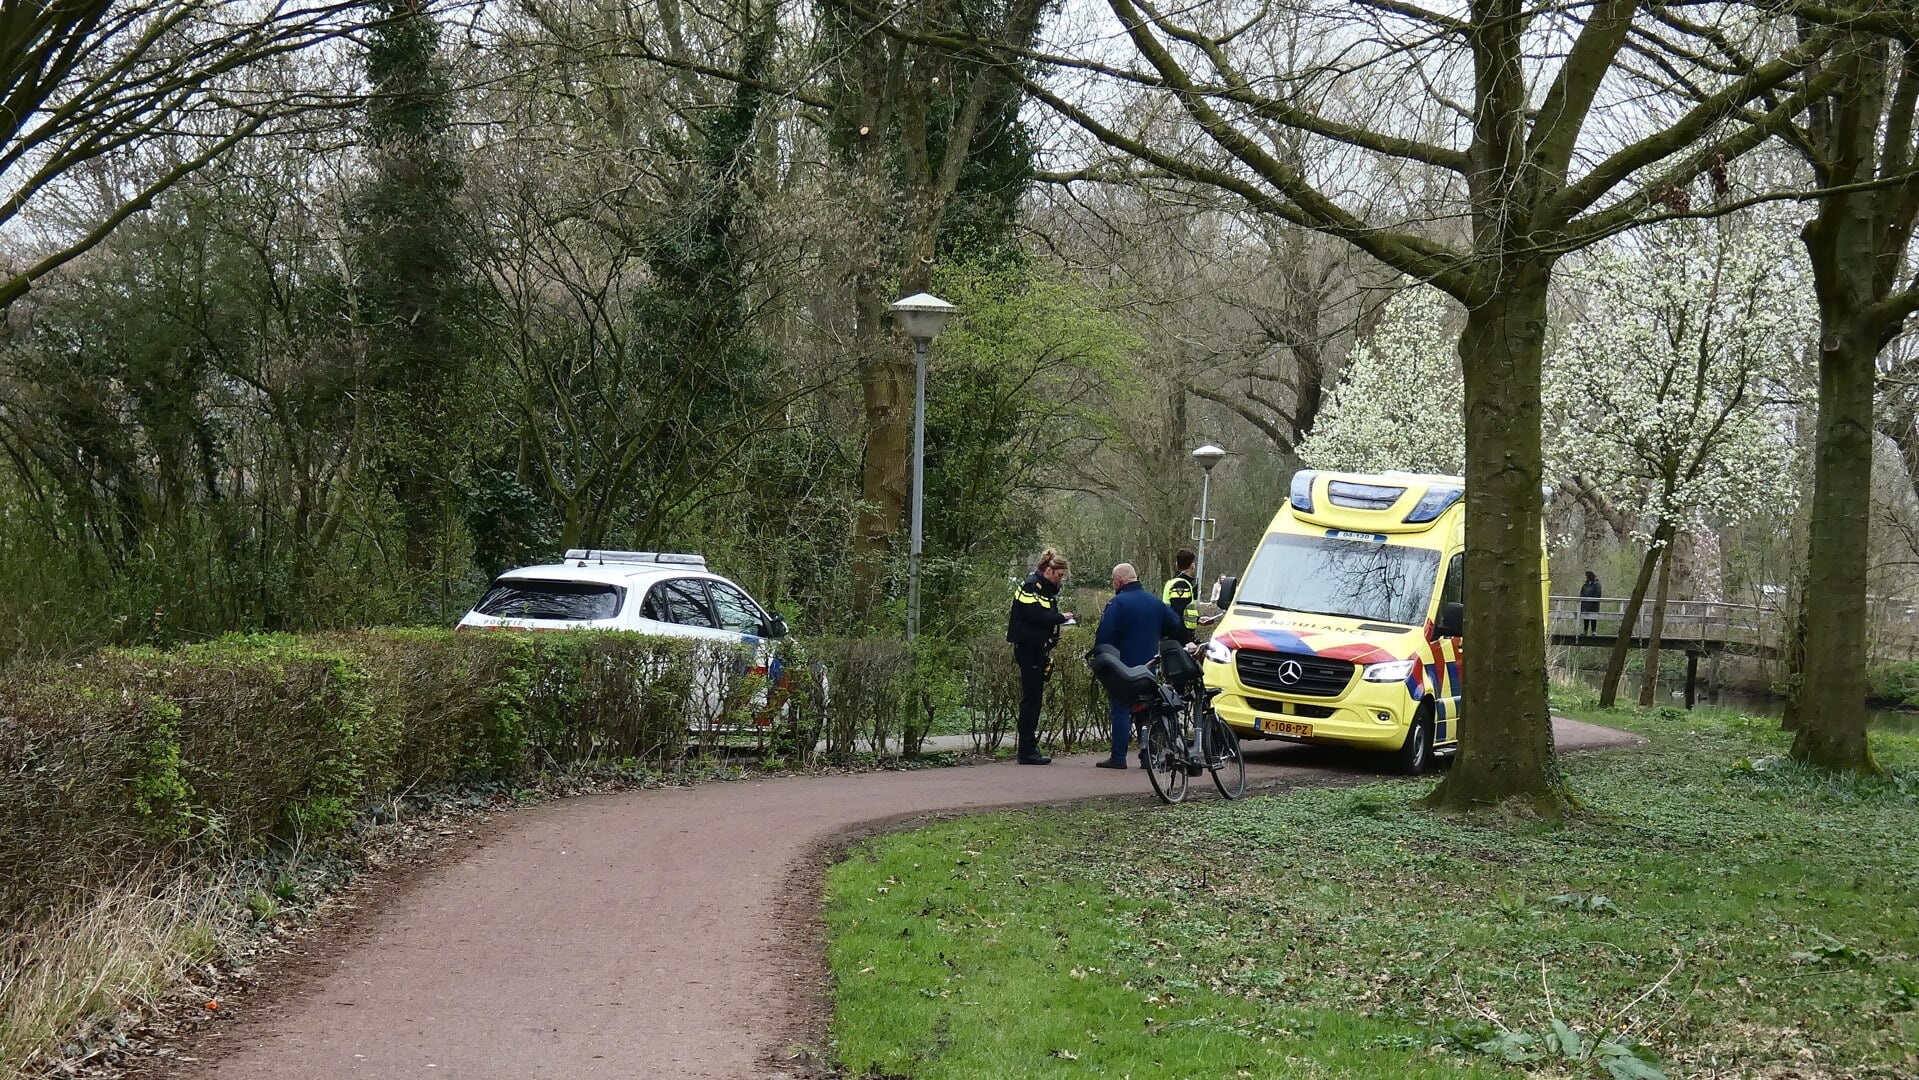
(657, 558)
(1434, 503)
(1302, 495)
(1357, 496)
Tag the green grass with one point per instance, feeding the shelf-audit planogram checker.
(1716, 911)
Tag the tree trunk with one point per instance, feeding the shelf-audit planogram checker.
(1856, 246)
(1795, 662)
(1622, 644)
(1649, 674)
(1506, 738)
(1832, 687)
(886, 385)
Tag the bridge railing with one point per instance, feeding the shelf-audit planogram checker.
(1686, 620)
(1892, 627)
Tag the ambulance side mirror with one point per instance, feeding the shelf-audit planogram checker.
(1223, 596)
(1452, 621)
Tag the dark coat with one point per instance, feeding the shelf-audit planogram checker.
(1134, 622)
(1590, 589)
(1035, 618)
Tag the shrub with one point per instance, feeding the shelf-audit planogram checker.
(92, 784)
(1077, 710)
(867, 682)
(992, 692)
(1893, 684)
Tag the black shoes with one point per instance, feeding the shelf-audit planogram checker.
(1109, 763)
(1034, 759)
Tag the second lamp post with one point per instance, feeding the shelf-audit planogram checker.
(1207, 456)
(921, 316)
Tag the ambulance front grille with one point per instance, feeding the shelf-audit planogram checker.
(1290, 708)
(1314, 676)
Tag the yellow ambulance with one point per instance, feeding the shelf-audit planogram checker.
(1345, 627)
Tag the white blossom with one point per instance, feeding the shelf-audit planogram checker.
(1399, 403)
(1671, 393)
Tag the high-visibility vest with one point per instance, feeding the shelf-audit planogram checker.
(1182, 596)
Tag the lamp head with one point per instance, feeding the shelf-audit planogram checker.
(921, 316)
(1208, 456)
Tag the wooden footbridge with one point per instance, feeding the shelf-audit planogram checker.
(1713, 628)
(1695, 627)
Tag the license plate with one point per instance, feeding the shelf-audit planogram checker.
(1284, 727)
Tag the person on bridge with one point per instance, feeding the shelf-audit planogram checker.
(1032, 626)
(1134, 622)
(1589, 594)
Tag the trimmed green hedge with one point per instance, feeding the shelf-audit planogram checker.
(136, 758)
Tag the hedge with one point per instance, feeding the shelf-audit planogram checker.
(136, 758)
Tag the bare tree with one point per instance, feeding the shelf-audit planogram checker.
(89, 86)
(1863, 147)
(1519, 132)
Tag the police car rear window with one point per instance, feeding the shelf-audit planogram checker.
(566, 601)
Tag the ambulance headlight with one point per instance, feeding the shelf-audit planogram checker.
(1390, 671)
(1219, 652)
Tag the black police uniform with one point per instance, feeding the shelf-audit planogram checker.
(1032, 626)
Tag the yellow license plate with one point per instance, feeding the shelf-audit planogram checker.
(1284, 727)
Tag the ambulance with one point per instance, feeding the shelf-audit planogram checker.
(1346, 626)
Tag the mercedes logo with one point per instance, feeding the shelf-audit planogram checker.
(1291, 672)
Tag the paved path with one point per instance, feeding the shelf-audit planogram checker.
(670, 933)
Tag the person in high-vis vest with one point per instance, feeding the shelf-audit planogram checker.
(1181, 593)
(1032, 626)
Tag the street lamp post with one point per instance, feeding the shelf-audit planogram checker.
(921, 317)
(1207, 456)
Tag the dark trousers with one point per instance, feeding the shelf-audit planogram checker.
(1034, 662)
(1588, 625)
(1122, 730)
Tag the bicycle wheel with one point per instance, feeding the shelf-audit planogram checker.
(1223, 758)
(1165, 764)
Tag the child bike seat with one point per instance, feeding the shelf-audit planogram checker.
(1126, 684)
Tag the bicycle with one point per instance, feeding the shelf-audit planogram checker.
(1180, 736)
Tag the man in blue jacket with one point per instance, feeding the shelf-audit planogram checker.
(1134, 622)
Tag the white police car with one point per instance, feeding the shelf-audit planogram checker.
(666, 594)
(648, 592)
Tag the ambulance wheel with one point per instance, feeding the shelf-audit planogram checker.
(1416, 755)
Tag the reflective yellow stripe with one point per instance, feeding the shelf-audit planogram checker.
(1180, 589)
(1029, 596)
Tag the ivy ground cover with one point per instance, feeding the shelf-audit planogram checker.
(1715, 911)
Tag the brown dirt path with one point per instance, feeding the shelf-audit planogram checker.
(670, 933)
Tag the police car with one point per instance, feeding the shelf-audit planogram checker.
(668, 594)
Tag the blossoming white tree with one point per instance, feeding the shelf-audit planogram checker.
(1399, 403)
(1671, 393)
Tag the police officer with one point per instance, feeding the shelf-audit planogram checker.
(1033, 629)
(1181, 593)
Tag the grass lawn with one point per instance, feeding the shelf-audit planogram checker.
(1715, 912)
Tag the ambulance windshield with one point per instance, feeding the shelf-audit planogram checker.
(1354, 579)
